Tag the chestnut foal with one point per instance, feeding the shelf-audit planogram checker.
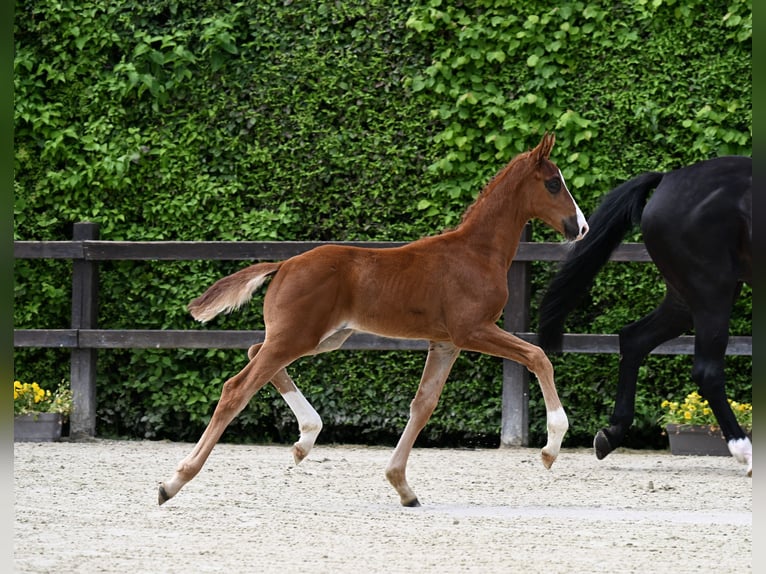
(448, 289)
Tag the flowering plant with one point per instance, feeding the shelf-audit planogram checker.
(31, 398)
(695, 410)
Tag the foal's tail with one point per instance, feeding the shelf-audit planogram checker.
(231, 292)
(619, 212)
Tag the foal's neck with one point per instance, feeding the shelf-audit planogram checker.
(494, 222)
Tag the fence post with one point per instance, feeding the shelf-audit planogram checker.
(82, 422)
(514, 428)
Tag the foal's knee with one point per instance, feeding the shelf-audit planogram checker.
(423, 404)
(539, 363)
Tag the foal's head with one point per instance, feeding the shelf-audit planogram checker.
(547, 194)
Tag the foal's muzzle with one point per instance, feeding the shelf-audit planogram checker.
(575, 227)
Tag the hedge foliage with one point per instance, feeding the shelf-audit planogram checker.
(350, 120)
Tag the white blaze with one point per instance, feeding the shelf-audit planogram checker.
(582, 223)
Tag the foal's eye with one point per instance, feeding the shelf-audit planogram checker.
(553, 185)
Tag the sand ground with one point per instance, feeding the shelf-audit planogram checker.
(91, 507)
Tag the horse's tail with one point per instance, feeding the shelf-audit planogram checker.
(231, 292)
(619, 212)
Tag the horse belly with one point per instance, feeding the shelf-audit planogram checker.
(402, 317)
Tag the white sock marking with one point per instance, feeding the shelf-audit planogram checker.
(309, 421)
(742, 450)
(557, 428)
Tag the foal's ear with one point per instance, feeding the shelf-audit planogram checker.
(543, 149)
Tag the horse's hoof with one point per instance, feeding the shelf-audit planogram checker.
(547, 459)
(162, 496)
(414, 503)
(601, 445)
(298, 453)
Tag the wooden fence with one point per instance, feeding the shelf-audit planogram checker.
(85, 339)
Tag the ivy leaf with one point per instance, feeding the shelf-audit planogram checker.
(423, 204)
(496, 56)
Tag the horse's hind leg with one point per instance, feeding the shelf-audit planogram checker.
(441, 357)
(309, 421)
(670, 319)
(711, 338)
(236, 393)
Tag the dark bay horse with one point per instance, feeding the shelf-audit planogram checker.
(448, 289)
(697, 228)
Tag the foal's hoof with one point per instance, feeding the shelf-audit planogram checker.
(547, 458)
(414, 503)
(299, 453)
(601, 445)
(163, 496)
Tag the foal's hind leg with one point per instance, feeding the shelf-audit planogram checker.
(670, 319)
(441, 357)
(236, 393)
(309, 421)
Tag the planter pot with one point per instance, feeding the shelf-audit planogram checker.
(37, 427)
(696, 440)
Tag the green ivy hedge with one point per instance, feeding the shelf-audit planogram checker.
(349, 120)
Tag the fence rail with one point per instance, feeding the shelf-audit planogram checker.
(85, 339)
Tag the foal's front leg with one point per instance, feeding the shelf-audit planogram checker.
(557, 422)
(492, 340)
(441, 357)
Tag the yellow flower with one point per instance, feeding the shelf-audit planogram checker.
(696, 410)
(32, 398)
(39, 393)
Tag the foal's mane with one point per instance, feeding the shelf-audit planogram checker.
(497, 179)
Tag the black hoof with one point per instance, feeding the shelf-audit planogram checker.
(414, 503)
(601, 445)
(162, 496)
